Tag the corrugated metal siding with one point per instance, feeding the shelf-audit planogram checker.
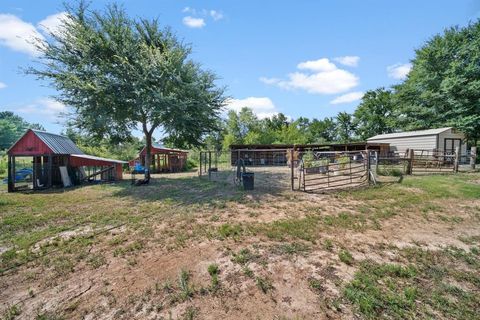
(404, 143)
(450, 135)
(57, 143)
(405, 134)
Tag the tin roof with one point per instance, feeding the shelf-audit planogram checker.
(427, 132)
(57, 143)
(89, 157)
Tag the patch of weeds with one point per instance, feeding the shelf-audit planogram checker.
(248, 272)
(243, 256)
(185, 290)
(215, 218)
(264, 284)
(213, 272)
(469, 239)
(190, 313)
(229, 231)
(97, 260)
(292, 248)
(130, 248)
(377, 290)
(48, 316)
(316, 285)
(62, 265)
(423, 289)
(328, 244)
(11, 312)
(346, 257)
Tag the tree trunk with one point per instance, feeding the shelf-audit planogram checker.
(148, 155)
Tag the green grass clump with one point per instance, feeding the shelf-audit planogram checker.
(213, 271)
(264, 284)
(435, 284)
(346, 257)
(243, 257)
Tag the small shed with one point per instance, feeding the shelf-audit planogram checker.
(441, 139)
(49, 160)
(163, 159)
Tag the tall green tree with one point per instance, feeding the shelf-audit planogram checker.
(344, 127)
(322, 131)
(12, 127)
(443, 87)
(118, 73)
(375, 114)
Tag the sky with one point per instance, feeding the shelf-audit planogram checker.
(302, 58)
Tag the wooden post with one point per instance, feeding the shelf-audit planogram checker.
(457, 159)
(50, 171)
(368, 166)
(209, 164)
(411, 156)
(473, 157)
(11, 177)
(292, 173)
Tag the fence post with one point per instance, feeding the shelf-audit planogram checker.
(11, 176)
(292, 178)
(368, 167)
(411, 155)
(473, 157)
(457, 159)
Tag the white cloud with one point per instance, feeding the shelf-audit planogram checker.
(52, 23)
(192, 22)
(399, 71)
(321, 77)
(2, 85)
(18, 35)
(349, 97)
(329, 82)
(216, 15)
(350, 61)
(46, 107)
(317, 65)
(263, 107)
(188, 10)
(270, 80)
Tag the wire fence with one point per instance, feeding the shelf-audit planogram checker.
(322, 171)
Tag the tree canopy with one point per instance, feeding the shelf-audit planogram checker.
(443, 87)
(119, 73)
(12, 127)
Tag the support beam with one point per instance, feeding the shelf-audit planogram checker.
(11, 177)
(473, 157)
(457, 159)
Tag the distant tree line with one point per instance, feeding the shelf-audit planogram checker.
(442, 89)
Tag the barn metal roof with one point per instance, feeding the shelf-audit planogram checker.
(409, 134)
(89, 157)
(57, 143)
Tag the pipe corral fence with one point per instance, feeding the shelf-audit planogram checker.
(323, 171)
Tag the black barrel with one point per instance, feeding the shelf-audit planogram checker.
(248, 180)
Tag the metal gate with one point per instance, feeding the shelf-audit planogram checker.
(314, 171)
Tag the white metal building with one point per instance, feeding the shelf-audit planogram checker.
(441, 139)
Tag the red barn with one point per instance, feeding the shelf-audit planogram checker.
(163, 159)
(53, 160)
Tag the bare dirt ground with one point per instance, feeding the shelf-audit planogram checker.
(184, 248)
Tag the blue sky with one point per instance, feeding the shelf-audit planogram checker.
(302, 58)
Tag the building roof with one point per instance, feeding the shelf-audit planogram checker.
(57, 143)
(162, 148)
(89, 157)
(427, 132)
(301, 146)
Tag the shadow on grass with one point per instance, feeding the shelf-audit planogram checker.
(193, 190)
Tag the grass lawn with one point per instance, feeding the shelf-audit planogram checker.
(186, 248)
